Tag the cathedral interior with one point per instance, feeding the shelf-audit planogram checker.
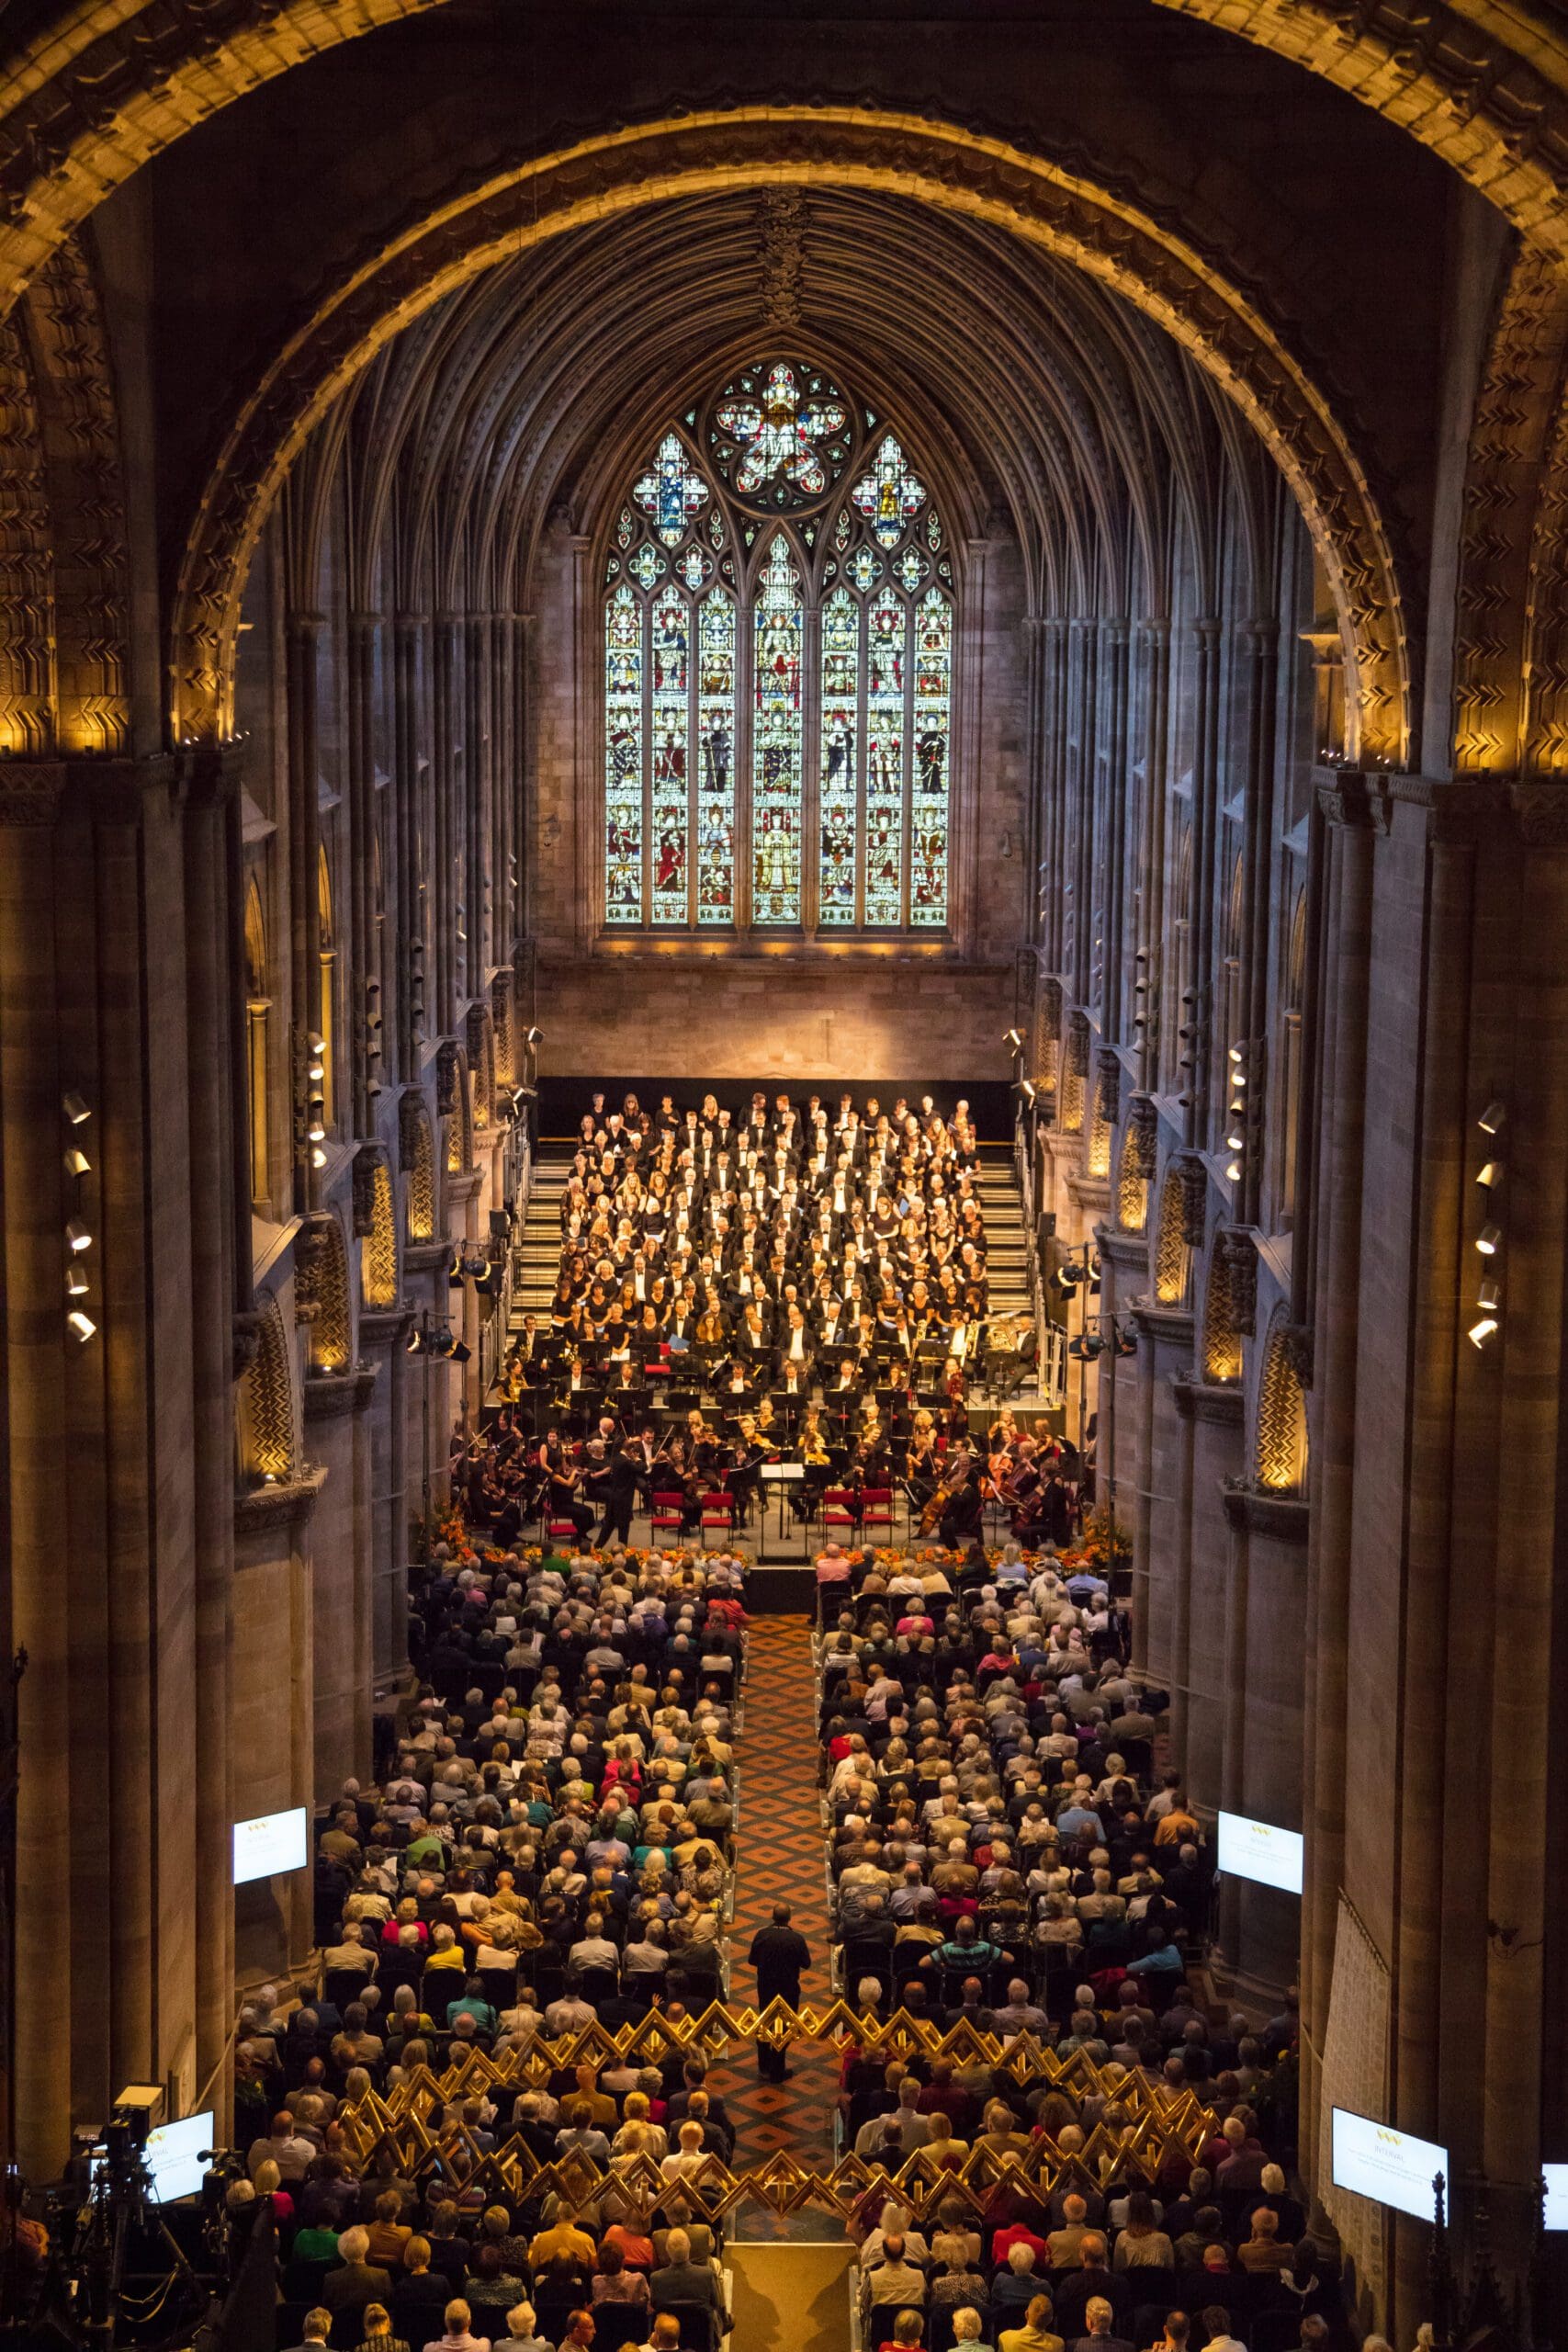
(1019, 549)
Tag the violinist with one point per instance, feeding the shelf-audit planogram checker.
(563, 1488)
(749, 1455)
(963, 1511)
(920, 1464)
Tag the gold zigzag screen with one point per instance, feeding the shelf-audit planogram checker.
(1153, 2125)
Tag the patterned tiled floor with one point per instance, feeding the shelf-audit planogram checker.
(780, 1861)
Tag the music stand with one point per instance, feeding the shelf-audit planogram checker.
(781, 1476)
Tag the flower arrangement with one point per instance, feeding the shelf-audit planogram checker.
(1104, 1544)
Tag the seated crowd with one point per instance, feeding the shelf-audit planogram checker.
(1004, 1851)
(552, 1846)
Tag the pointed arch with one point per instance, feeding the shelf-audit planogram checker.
(1279, 1445)
(1172, 1256)
(322, 1286)
(1132, 1185)
(417, 1152)
(265, 1423)
(1222, 1357)
(378, 1248)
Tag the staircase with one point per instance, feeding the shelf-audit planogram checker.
(539, 1248)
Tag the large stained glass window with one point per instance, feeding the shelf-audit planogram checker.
(779, 635)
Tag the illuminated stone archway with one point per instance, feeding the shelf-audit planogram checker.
(89, 101)
(1168, 279)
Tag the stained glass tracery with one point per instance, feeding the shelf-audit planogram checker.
(778, 755)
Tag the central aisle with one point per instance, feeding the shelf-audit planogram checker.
(781, 1861)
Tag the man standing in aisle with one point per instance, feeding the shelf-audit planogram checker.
(780, 1955)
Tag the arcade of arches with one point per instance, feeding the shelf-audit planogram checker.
(1158, 653)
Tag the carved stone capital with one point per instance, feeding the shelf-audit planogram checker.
(266, 1509)
(246, 1341)
(425, 1257)
(1143, 1132)
(383, 1327)
(1236, 1243)
(411, 1116)
(1221, 1403)
(1109, 1080)
(1285, 1517)
(330, 1394)
(367, 1161)
(1542, 813)
(447, 1063)
(1296, 1339)
(1173, 1325)
(1193, 1178)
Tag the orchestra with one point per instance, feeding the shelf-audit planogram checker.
(820, 1272)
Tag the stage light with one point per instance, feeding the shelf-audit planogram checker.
(1488, 1240)
(1014, 1041)
(75, 1109)
(1236, 1053)
(1233, 1142)
(75, 1281)
(1490, 1175)
(81, 1325)
(1482, 1332)
(1233, 1172)
(77, 1235)
(318, 1157)
(1491, 1118)
(534, 1038)
(76, 1163)
(1489, 1293)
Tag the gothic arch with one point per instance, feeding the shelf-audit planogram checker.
(377, 1219)
(1132, 1183)
(1280, 1440)
(1172, 1258)
(481, 1061)
(92, 99)
(1220, 1355)
(949, 169)
(417, 1155)
(321, 1297)
(265, 1423)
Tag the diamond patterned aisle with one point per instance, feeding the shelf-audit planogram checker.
(780, 1861)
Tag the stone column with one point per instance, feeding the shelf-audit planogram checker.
(1214, 1451)
(378, 1472)
(1165, 1349)
(341, 1579)
(1260, 1771)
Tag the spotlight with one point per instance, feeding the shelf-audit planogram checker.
(1236, 1053)
(459, 1351)
(1233, 1170)
(76, 1163)
(1014, 1041)
(1480, 1332)
(1125, 1345)
(316, 1041)
(414, 1344)
(318, 1157)
(1233, 1142)
(1489, 1293)
(1026, 1088)
(75, 1281)
(1488, 1240)
(81, 1325)
(315, 1071)
(1491, 1118)
(534, 1038)
(75, 1109)
(77, 1235)
(1490, 1175)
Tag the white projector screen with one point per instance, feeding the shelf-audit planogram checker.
(1555, 2216)
(1391, 2167)
(272, 1842)
(1255, 1849)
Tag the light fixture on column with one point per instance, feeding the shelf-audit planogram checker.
(316, 1119)
(315, 1065)
(82, 1326)
(1491, 1118)
(78, 1237)
(1489, 1293)
(1488, 1240)
(1482, 1330)
(76, 1162)
(76, 1108)
(76, 1280)
(534, 1038)
(1490, 1175)
(1014, 1041)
